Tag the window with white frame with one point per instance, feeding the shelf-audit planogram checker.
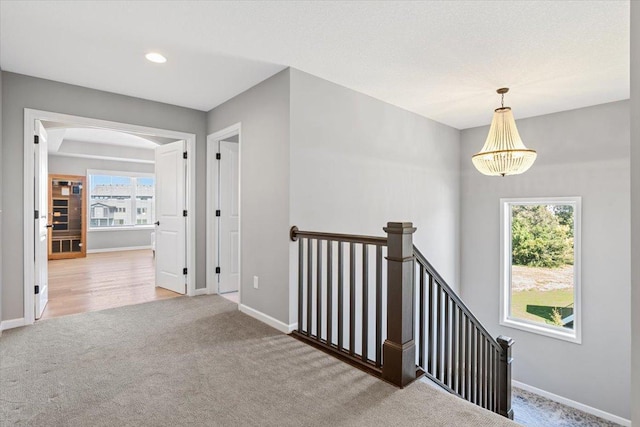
(120, 199)
(540, 250)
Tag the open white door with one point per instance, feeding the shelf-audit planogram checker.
(229, 219)
(170, 221)
(41, 228)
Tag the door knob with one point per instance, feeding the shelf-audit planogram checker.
(157, 223)
(49, 225)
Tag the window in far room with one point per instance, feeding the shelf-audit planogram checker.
(540, 249)
(120, 199)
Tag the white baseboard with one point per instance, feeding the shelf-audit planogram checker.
(201, 291)
(11, 323)
(264, 318)
(127, 248)
(573, 404)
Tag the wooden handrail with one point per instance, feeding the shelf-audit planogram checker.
(294, 234)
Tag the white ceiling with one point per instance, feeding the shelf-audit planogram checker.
(65, 139)
(105, 136)
(440, 59)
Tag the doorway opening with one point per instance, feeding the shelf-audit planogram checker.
(223, 213)
(111, 203)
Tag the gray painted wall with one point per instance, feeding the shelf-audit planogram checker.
(357, 163)
(584, 153)
(20, 92)
(635, 206)
(107, 239)
(264, 188)
(79, 165)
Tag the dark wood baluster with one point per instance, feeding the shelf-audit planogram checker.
(421, 325)
(467, 359)
(329, 292)
(446, 339)
(319, 291)
(460, 353)
(454, 348)
(496, 380)
(478, 367)
(378, 306)
(491, 375)
(365, 303)
(483, 372)
(439, 332)
(340, 297)
(300, 282)
(472, 364)
(309, 284)
(352, 298)
(480, 372)
(430, 364)
(487, 372)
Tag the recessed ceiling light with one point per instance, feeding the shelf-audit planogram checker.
(155, 57)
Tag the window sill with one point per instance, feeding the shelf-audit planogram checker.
(129, 228)
(548, 331)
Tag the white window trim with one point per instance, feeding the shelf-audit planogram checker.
(131, 227)
(574, 336)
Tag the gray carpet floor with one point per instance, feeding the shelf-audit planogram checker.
(198, 361)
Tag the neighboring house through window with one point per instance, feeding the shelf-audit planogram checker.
(540, 253)
(120, 199)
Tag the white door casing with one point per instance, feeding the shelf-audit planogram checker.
(229, 219)
(28, 179)
(41, 208)
(170, 223)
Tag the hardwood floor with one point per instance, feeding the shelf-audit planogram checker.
(100, 281)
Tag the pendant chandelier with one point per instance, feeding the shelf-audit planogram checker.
(503, 152)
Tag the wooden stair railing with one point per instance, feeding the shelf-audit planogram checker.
(388, 326)
(455, 350)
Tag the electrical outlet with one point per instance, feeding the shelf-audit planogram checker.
(255, 282)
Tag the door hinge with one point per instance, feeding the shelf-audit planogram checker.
(36, 139)
(184, 212)
(184, 270)
(184, 155)
(218, 156)
(36, 289)
(217, 270)
(36, 214)
(217, 212)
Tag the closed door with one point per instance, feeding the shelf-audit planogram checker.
(229, 219)
(170, 221)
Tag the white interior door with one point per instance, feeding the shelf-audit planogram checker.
(170, 222)
(229, 219)
(41, 208)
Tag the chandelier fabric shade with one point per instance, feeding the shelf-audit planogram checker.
(503, 152)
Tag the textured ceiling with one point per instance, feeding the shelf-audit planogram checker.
(440, 59)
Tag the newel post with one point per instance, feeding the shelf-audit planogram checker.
(399, 350)
(504, 377)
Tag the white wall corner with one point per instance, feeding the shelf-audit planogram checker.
(265, 318)
(573, 404)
